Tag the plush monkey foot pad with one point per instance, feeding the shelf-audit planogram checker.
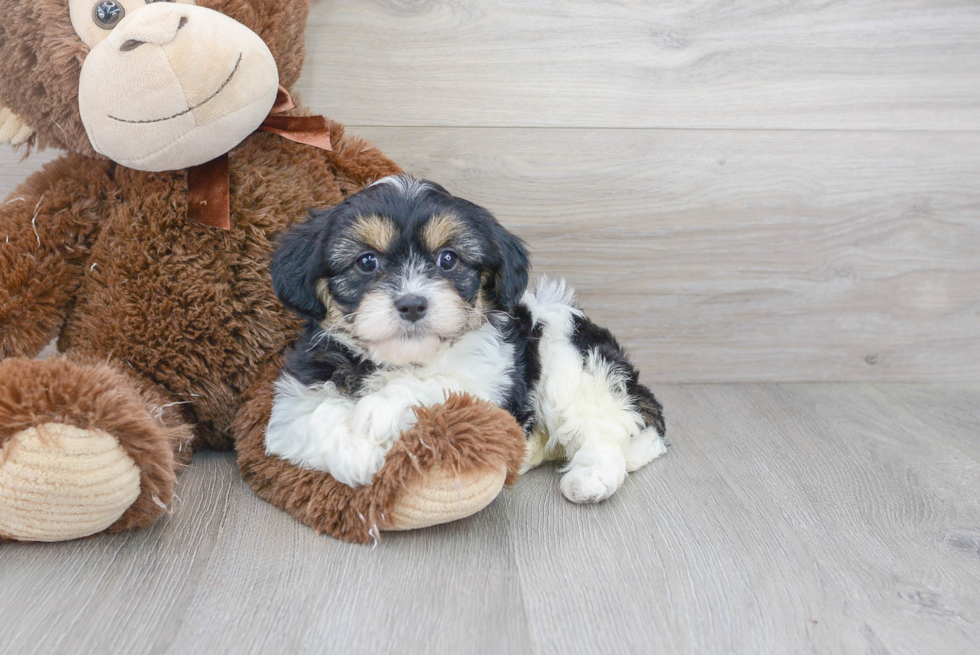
(443, 496)
(61, 482)
(452, 464)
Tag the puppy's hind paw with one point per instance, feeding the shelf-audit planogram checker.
(593, 476)
(644, 447)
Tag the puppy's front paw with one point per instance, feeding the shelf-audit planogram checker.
(356, 463)
(382, 419)
(593, 476)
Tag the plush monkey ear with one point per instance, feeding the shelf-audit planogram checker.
(297, 266)
(13, 129)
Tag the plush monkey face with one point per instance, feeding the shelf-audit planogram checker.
(151, 84)
(204, 81)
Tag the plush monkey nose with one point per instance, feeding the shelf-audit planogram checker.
(156, 23)
(411, 308)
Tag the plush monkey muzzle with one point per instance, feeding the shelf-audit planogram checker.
(169, 85)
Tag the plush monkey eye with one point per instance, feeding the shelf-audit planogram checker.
(447, 260)
(108, 14)
(368, 262)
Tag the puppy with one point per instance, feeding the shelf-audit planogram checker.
(410, 294)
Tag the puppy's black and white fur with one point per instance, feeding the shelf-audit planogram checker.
(410, 294)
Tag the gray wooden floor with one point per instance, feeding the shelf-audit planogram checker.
(827, 518)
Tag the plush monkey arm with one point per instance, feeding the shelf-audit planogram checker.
(451, 464)
(46, 228)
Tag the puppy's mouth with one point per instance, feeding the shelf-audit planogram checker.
(211, 97)
(402, 351)
(411, 337)
(415, 332)
(409, 345)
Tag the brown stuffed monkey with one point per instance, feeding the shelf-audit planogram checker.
(168, 330)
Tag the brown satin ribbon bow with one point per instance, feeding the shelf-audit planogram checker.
(209, 185)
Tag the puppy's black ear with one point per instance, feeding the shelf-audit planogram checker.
(297, 265)
(511, 275)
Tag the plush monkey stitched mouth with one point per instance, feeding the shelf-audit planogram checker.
(211, 97)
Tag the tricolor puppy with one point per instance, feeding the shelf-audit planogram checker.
(411, 294)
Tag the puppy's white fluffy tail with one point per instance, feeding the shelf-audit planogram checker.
(547, 296)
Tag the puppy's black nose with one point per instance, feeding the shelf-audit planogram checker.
(411, 308)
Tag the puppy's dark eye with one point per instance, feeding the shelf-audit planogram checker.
(107, 14)
(368, 262)
(447, 260)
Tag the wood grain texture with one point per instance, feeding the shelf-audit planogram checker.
(813, 64)
(824, 518)
(952, 410)
(742, 256)
(448, 589)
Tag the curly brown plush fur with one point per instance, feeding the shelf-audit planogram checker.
(462, 436)
(152, 310)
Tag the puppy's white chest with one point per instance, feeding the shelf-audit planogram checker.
(482, 362)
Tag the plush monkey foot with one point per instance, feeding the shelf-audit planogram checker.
(82, 449)
(450, 465)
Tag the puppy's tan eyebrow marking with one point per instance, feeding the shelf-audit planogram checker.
(376, 232)
(440, 230)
